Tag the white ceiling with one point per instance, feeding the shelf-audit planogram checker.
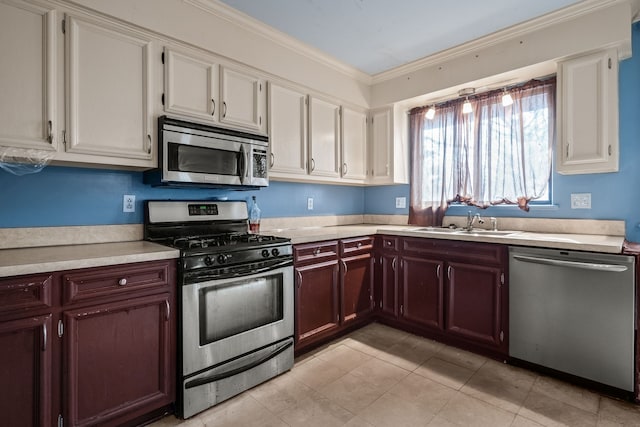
(378, 35)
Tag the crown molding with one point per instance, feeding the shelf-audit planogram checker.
(536, 24)
(246, 22)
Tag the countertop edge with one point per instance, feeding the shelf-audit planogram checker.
(21, 261)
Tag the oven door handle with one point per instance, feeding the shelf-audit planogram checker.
(222, 375)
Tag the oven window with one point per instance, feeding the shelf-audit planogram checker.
(188, 158)
(239, 306)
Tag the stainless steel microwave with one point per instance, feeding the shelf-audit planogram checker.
(193, 154)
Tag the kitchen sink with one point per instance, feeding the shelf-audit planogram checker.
(438, 230)
(482, 232)
(462, 232)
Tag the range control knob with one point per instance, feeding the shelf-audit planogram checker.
(275, 251)
(265, 253)
(208, 260)
(222, 258)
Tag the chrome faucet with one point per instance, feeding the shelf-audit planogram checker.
(471, 219)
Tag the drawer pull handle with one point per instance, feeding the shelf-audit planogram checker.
(122, 281)
(168, 309)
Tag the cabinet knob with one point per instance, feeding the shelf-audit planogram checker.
(316, 251)
(359, 244)
(388, 243)
(122, 281)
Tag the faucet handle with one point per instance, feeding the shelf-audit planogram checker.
(494, 223)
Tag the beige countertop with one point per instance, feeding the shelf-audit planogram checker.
(33, 260)
(19, 261)
(582, 242)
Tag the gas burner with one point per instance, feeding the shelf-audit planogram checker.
(198, 242)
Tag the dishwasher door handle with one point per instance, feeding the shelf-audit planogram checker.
(572, 264)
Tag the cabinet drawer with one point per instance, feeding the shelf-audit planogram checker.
(114, 280)
(25, 293)
(479, 253)
(356, 245)
(315, 252)
(388, 243)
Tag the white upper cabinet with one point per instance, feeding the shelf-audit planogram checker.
(27, 76)
(191, 85)
(324, 138)
(198, 86)
(243, 99)
(381, 146)
(108, 90)
(587, 114)
(287, 132)
(354, 144)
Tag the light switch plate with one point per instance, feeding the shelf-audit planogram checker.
(581, 201)
(129, 203)
(401, 202)
(310, 203)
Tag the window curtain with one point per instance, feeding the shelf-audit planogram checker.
(493, 155)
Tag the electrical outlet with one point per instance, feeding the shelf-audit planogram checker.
(310, 203)
(128, 203)
(581, 201)
(401, 202)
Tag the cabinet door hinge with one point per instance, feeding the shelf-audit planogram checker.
(163, 99)
(162, 57)
(502, 278)
(60, 328)
(60, 421)
(64, 25)
(501, 336)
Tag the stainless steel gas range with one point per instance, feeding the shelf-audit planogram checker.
(235, 299)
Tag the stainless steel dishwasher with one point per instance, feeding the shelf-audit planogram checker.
(573, 312)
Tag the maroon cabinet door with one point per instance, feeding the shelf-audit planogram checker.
(25, 372)
(118, 360)
(388, 285)
(317, 312)
(422, 286)
(357, 287)
(474, 303)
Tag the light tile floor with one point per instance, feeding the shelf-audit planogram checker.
(379, 376)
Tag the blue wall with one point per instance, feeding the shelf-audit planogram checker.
(613, 195)
(77, 196)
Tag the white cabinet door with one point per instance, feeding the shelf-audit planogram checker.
(242, 99)
(354, 144)
(27, 76)
(287, 131)
(324, 137)
(588, 114)
(190, 85)
(381, 146)
(108, 90)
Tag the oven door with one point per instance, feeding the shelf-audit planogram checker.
(228, 318)
(189, 158)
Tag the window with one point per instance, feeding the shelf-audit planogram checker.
(493, 155)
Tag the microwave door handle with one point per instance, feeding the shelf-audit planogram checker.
(242, 164)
